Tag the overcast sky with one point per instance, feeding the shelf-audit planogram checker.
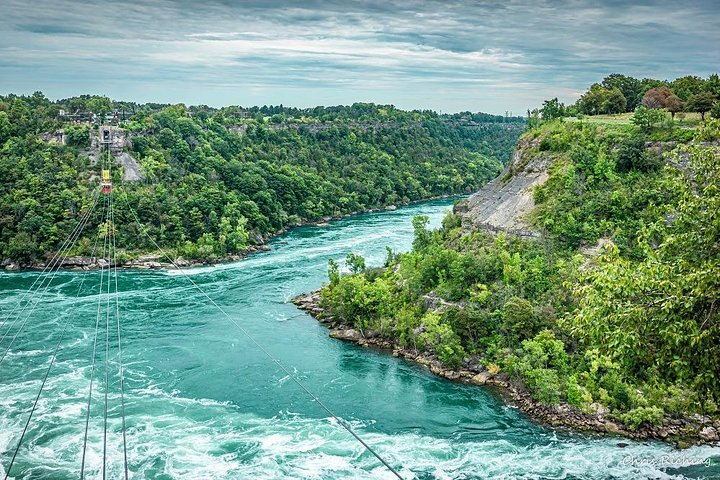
(446, 55)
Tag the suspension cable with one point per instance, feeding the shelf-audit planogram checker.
(51, 265)
(22, 298)
(107, 345)
(47, 372)
(107, 321)
(277, 362)
(119, 343)
(60, 255)
(94, 356)
(37, 300)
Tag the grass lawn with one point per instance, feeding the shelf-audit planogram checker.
(689, 120)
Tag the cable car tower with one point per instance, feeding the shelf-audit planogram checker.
(105, 143)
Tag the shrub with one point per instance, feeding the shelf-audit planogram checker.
(715, 111)
(439, 336)
(540, 365)
(355, 262)
(642, 415)
(544, 385)
(519, 319)
(77, 136)
(333, 272)
(577, 395)
(645, 117)
(632, 155)
(709, 131)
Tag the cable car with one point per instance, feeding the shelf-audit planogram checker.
(106, 182)
(106, 137)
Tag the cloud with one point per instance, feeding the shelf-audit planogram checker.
(449, 55)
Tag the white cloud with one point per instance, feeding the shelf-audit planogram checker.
(451, 55)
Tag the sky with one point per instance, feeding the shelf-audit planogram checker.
(447, 55)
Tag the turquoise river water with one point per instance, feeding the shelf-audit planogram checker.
(202, 402)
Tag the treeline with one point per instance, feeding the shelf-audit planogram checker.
(634, 331)
(49, 112)
(209, 191)
(619, 93)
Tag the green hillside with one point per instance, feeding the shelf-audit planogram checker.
(215, 181)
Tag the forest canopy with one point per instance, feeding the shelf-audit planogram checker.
(215, 181)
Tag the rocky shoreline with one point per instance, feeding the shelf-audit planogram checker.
(144, 262)
(682, 432)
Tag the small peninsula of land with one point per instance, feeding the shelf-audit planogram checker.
(583, 280)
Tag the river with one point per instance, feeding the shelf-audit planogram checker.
(202, 402)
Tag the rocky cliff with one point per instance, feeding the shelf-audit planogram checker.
(505, 203)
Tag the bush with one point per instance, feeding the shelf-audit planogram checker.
(355, 262)
(520, 320)
(439, 336)
(20, 247)
(642, 415)
(77, 136)
(645, 117)
(632, 155)
(709, 131)
(544, 385)
(715, 111)
(577, 395)
(540, 365)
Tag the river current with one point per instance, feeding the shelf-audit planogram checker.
(202, 402)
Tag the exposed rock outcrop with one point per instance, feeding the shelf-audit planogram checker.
(505, 203)
(131, 167)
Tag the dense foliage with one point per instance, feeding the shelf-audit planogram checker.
(218, 180)
(631, 325)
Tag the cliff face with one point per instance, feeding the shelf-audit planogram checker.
(505, 203)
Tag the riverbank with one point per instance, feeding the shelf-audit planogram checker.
(155, 260)
(681, 432)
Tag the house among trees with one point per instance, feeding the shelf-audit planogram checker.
(76, 116)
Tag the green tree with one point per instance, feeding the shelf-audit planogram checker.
(552, 109)
(701, 103)
(333, 272)
(645, 117)
(629, 86)
(614, 101)
(660, 313)
(422, 234)
(100, 105)
(355, 262)
(687, 86)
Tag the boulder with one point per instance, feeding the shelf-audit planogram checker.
(349, 334)
(709, 434)
(181, 262)
(481, 378)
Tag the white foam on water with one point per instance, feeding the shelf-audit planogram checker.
(173, 435)
(180, 437)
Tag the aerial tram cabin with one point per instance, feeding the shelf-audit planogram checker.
(106, 182)
(106, 136)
